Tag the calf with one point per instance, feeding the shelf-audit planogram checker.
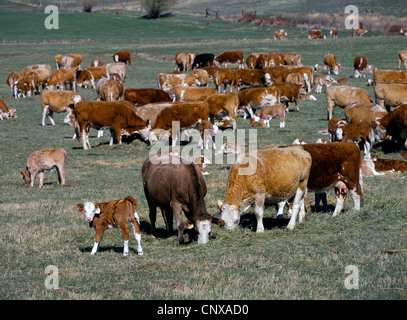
(333, 125)
(277, 175)
(57, 101)
(354, 132)
(320, 82)
(269, 112)
(61, 78)
(175, 185)
(257, 98)
(122, 56)
(334, 33)
(143, 96)
(359, 32)
(103, 215)
(376, 166)
(223, 105)
(46, 159)
(12, 78)
(331, 64)
(6, 113)
(359, 65)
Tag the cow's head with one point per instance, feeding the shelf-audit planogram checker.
(230, 215)
(203, 227)
(70, 119)
(26, 176)
(155, 136)
(90, 210)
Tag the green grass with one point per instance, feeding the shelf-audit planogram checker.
(41, 227)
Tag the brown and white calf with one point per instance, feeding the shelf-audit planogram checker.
(359, 65)
(223, 106)
(45, 159)
(320, 82)
(5, 112)
(333, 125)
(275, 175)
(280, 34)
(375, 166)
(89, 75)
(122, 56)
(12, 78)
(257, 98)
(359, 32)
(334, 33)
(168, 81)
(143, 96)
(118, 116)
(57, 101)
(330, 63)
(269, 112)
(175, 185)
(116, 213)
(314, 33)
(356, 131)
(61, 78)
(230, 57)
(342, 96)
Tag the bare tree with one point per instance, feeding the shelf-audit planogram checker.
(155, 8)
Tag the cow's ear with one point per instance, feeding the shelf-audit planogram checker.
(188, 224)
(220, 204)
(22, 173)
(97, 210)
(80, 206)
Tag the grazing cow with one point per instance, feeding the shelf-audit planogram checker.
(266, 60)
(248, 77)
(334, 33)
(376, 166)
(184, 60)
(89, 75)
(336, 165)
(251, 60)
(312, 34)
(359, 32)
(359, 65)
(307, 74)
(143, 96)
(275, 175)
(190, 94)
(69, 61)
(370, 113)
(356, 131)
(207, 131)
(32, 80)
(45, 159)
(61, 78)
(187, 114)
(330, 63)
(341, 96)
(291, 59)
(280, 34)
(289, 92)
(390, 95)
(168, 82)
(57, 101)
(43, 71)
(122, 56)
(390, 76)
(109, 90)
(333, 125)
(320, 82)
(202, 77)
(96, 63)
(269, 112)
(21, 89)
(225, 76)
(223, 105)
(175, 185)
(230, 57)
(116, 67)
(12, 78)
(257, 98)
(402, 59)
(6, 113)
(116, 213)
(395, 123)
(116, 115)
(203, 60)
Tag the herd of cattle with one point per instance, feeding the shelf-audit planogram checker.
(261, 87)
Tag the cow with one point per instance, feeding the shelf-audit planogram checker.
(402, 59)
(289, 92)
(390, 76)
(370, 113)
(390, 95)
(230, 57)
(359, 32)
(257, 98)
(249, 77)
(403, 31)
(223, 105)
(187, 114)
(395, 123)
(275, 175)
(359, 65)
(225, 76)
(203, 60)
(116, 67)
(21, 89)
(43, 71)
(269, 112)
(33, 81)
(116, 213)
(375, 166)
(266, 60)
(5, 112)
(110, 90)
(168, 82)
(143, 96)
(175, 185)
(69, 61)
(12, 78)
(89, 75)
(291, 59)
(116, 115)
(190, 94)
(207, 130)
(251, 60)
(280, 34)
(57, 101)
(306, 73)
(312, 34)
(45, 159)
(320, 82)
(333, 125)
(184, 60)
(334, 33)
(356, 131)
(122, 56)
(317, 36)
(202, 77)
(96, 63)
(341, 96)
(330, 63)
(149, 112)
(61, 78)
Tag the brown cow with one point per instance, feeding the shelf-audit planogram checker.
(280, 34)
(110, 90)
(190, 94)
(225, 76)
(143, 96)
(61, 78)
(122, 56)
(5, 112)
(223, 105)
(248, 77)
(89, 75)
(359, 65)
(103, 215)
(258, 98)
(230, 57)
(395, 123)
(289, 92)
(359, 32)
(330, 63)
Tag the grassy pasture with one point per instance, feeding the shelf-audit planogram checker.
(41, 227)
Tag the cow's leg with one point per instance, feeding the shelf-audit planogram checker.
(340, 191)
(137, 232)
(50, 115)
(61, 174)
(259, 212)
(41, 177)
(280, 210)
(299, 195)
(98, 237)
(125, 235)
(152, 216)
(168, 216)
(84, 144)
(177, 210)
(356, 198)
(44, 114)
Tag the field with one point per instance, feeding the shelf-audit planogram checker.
(42, 227)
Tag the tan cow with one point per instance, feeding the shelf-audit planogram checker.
(184, 60)
(224, 76)
(57, 101)
(391, 95)
(43, 70)
(402, 59)
(190, 94)
(223, 105)
(359, 32)
(330, 63)
(390, 76)
(61, 78)
(5, 112)
(89, 75)
(168, 82)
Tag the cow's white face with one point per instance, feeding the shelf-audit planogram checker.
(230, 215)
(204, 228)
(90, 211)
(339, 134)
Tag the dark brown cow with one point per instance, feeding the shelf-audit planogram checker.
(249, 77)
(175, 185)
(142, 96)
(289, 92)
(230, 57)
(395, 123)
(122, 56)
